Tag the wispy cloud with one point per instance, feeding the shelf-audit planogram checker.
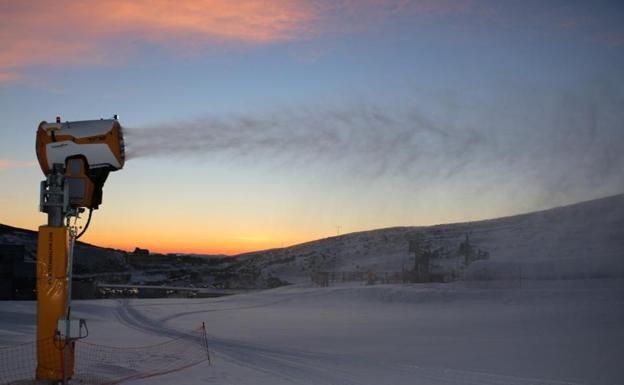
(6, 164)
(84, 32)
(9, 76)
(74, 32)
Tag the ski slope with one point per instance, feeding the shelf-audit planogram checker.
(583, 240)
(544, 333)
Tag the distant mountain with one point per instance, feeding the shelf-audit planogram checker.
(118, 266)
(576, 241)
(88, 258)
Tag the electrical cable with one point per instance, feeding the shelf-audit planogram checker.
(86, 225)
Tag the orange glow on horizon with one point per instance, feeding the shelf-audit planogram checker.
(230, 248)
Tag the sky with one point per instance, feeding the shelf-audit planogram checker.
(260, 124)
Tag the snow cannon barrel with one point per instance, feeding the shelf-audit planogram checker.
(86, 150)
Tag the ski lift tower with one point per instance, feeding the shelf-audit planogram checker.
(422, 263)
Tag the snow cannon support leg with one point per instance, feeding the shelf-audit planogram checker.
(52, 287)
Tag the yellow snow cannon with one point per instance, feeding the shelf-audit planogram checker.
(76, 158)
(88, 151)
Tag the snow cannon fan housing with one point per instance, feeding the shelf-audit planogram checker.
(88, 150)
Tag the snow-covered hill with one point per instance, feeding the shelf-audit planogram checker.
(584, 240)
(89, 258)
(576, 241)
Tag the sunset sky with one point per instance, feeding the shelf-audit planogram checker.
(259, 124)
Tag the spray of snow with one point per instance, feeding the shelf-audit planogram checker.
(560, 142)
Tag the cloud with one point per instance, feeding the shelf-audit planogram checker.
(37, 34)
(6, 77)
(6, 164)
(86, 33)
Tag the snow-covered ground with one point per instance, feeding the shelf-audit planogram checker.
(545, 332)
(525, 331)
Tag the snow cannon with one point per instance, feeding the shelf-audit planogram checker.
(76, 158)
(87, 150)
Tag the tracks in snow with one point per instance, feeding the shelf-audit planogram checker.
(295, 366)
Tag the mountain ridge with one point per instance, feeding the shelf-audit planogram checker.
(581, 239)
